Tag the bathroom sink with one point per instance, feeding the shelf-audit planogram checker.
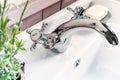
(106, 64)
(88, 57)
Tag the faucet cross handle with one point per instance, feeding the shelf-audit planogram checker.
(78, 12)
(37, 35)
(44, 26)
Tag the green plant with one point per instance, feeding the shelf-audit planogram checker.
(9, 45)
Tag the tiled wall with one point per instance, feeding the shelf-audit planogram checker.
(44, 13)
(66, 2)
(51, 10)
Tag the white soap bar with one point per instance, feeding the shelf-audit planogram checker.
(97, 12)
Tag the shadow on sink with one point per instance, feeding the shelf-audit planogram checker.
(39, 54)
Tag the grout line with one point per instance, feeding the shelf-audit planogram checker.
(61, 4)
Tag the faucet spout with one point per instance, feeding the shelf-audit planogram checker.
(66, 30)
(59, 39)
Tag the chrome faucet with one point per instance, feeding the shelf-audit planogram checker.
(58, 40)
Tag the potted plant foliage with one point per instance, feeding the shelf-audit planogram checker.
(10, 45)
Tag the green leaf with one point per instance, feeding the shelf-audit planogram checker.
(0, 8)
(15, 30)
(17, 44)
(13, 34)
(1, 46)
(23, 49)
(6, 23)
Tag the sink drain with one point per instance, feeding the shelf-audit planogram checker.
(77, 63)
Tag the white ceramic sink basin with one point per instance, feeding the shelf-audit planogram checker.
(98, 59)
(106, 65)
(88, 57)
(46, 65)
